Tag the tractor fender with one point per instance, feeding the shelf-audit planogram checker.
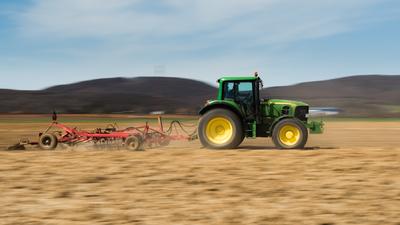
(271, 129)
(221, 105)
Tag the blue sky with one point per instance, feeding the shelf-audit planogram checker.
(48, 42)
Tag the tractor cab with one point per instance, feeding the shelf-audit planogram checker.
(243, 91)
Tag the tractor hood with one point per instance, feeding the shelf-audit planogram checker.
(284, 102)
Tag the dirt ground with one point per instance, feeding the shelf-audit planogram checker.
(349, 175)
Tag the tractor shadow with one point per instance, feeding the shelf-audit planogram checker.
(261, 148)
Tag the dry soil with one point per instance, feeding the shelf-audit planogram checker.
(349, 175)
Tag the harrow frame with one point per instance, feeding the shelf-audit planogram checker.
(141, 136)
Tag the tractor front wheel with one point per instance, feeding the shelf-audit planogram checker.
(220, 129)
(290, 134)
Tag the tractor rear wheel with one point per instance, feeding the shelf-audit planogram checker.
(220, 129)
(290, 134)
(48, 142)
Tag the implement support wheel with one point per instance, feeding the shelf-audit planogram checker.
(133, 143)
(48, 142)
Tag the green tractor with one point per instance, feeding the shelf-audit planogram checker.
(239, 112)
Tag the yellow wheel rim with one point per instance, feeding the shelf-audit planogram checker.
(289, 135)
(219, 130)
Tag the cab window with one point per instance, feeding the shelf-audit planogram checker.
(229, 91)
(245, 91)
(238, 91)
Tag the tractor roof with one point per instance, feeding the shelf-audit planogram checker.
(248, 78)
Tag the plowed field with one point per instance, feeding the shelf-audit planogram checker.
(349, 175)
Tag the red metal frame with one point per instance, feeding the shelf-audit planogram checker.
(74, 136)
(146, 134)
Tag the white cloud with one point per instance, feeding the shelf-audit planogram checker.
(262, 20)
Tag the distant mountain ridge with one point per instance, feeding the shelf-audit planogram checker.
(363, 95)
(367, 95)
(111, 95)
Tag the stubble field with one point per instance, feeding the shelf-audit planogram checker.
(349, 175)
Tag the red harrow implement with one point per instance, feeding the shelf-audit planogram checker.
(131, 138)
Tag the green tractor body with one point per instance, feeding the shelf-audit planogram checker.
(239, 112)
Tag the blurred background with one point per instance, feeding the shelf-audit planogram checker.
(138, 56)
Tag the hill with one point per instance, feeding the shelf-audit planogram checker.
(365, 95)
(368, 95)
(112, 95)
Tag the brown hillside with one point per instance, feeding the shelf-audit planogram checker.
(369, 95)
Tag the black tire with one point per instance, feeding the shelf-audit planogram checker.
(48, 142)
(237, 129)
(133, 143)
(300, 128)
